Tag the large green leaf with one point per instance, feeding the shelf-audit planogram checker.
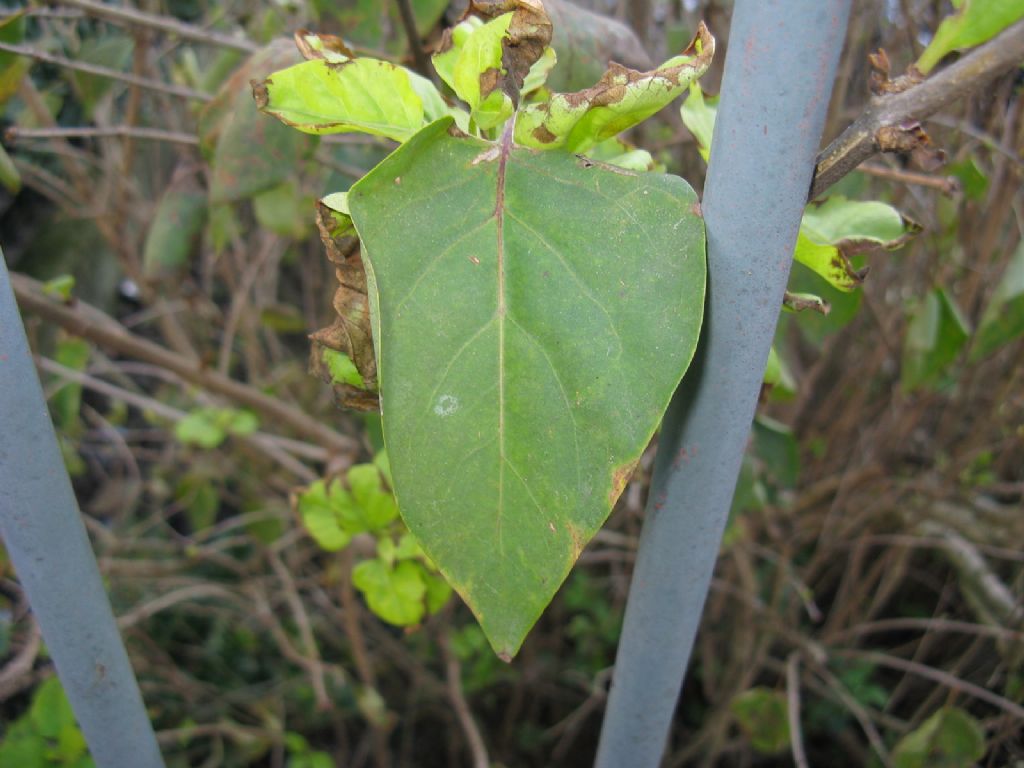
(1003, 319)
(533, 313)
(974, 22)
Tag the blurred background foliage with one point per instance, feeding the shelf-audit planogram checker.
(276, 615)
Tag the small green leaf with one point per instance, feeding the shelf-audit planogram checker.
(539, 72)
(698, 113)
(374, 508)
(200, 499)
(318, 507)
(831, 230)
(951, 738)
(365, 95)
(50, 712)
(973, 22)
(200, 427)
(480, 59)
(445, 59)
(615, 151)
(239, 421)
(937, 332)
(1003, 318)
(408, 548)
(178, 220)
(60, 287)
(803, 302)
(439, 591)
(342, 369)
(621, 99)
(778, 375)
(384, 465)
(394, 594)
(387, 552)
(777, 450)
(972, 179)
(764, 719)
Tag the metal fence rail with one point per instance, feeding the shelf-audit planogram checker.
(779, 70)
(47, 543)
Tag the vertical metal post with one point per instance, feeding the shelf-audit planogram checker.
(779, 70)
(47, 543)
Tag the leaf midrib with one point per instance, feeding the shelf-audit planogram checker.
(499, 219)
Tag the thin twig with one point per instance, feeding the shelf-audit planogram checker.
(453, 678)
(13, 674)
(939, 676)
(902, 624)
(315, 664)
(126, 15)
(15, 133)
(420, 59)
(975, 70)
(169, 599)
(796, 736)
(90, 323)
(113, 74)
(836, 688)
(947, 185)
(350, 612)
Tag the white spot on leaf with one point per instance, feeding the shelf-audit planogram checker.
(446, 405)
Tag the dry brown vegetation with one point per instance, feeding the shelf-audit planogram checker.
(873, 568)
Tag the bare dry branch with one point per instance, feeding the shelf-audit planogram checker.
(90, 323)
(125, 15)
(113, 74)
(861, 140)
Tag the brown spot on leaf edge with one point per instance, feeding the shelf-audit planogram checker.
(259, 92)
(620, 477)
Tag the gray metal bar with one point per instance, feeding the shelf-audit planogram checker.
(779, 71)
(47, 543)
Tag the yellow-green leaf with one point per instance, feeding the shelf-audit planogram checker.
(973, 22)
(365, 95)
(621, 99)
(829, 231)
